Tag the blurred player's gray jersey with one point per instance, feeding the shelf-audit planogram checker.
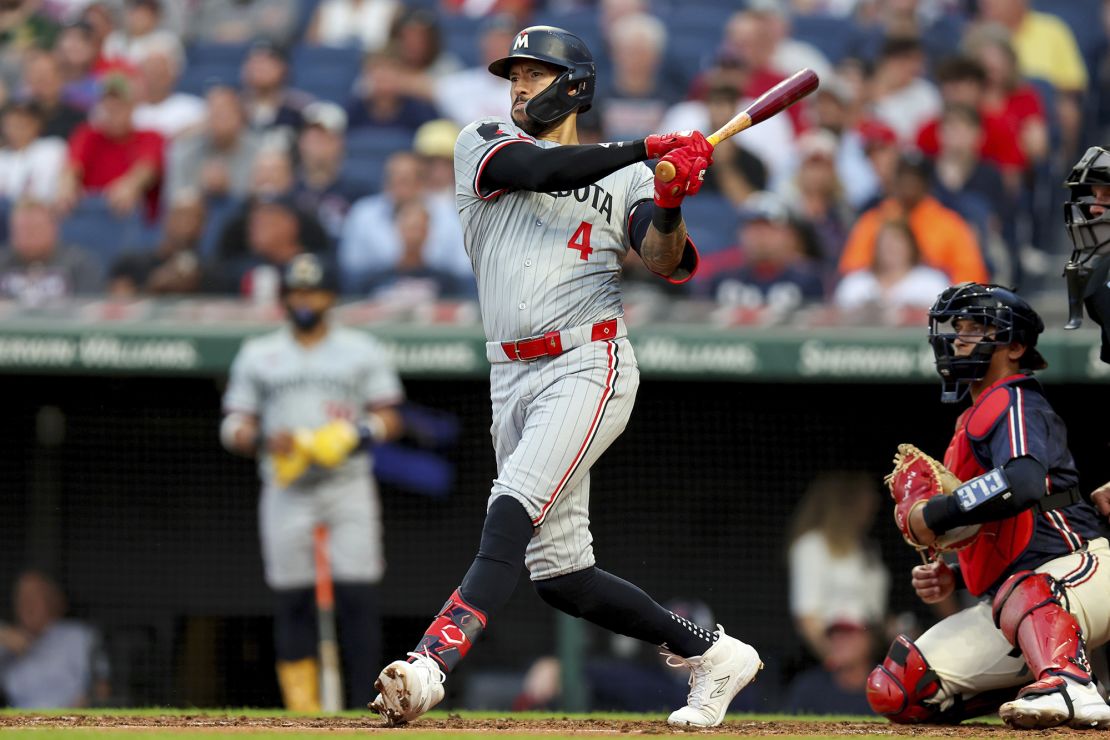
(543, 261)
(288, 386)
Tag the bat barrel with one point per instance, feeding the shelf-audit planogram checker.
(777, 99)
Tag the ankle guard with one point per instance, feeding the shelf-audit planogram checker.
(1029, 611)
(454, 630)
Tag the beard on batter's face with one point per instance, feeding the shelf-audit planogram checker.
(529, 125)
(526, 124)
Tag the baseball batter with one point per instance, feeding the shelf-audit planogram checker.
(307, 400)
(547, 225)
(1027, 544)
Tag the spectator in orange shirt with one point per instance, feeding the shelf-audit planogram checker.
(946, 241)
(107, 155)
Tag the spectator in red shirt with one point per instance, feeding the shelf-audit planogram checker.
(963, 82)
(108, 156)
(1007, 94)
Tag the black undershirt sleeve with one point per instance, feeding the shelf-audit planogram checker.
(1027, 485)
(527, 167)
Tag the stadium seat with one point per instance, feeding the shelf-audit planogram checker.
(377, 142)
(93, 226)
(207, 62)
(712, 222)
(461, 37)
(220, 211)
(324, 71)
(833, 36)
(367, 151)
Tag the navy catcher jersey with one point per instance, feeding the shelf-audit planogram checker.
(1013, 419)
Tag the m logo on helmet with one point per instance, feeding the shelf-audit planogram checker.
(305, 271)
(521, 42)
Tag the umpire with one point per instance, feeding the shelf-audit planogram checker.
(1087, 272)
(309, 400)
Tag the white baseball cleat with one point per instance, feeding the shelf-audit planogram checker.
(715, 678)
(1072, 703)
(408, 689)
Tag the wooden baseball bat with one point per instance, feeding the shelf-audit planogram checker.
(774, 101)
(331, 683)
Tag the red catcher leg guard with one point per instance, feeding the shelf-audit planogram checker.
(454, 630)
(1028, 611)
(899, 686)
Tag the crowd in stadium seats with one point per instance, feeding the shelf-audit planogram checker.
(194, 146)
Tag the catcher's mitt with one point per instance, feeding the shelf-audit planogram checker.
(916, 478)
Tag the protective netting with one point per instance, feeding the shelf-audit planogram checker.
(151, 527)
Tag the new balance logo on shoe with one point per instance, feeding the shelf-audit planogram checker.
(722, 686)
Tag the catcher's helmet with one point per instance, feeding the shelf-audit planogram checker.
(564, 50)
(1089, 233)
(309, 272)
(994, 306)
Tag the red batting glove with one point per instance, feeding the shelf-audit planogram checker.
(689, 167)
(659, 144)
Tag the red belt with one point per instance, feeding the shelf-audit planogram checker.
(551, 343)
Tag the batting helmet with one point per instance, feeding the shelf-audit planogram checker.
(994, 306)
(309, 272)
(564, 50)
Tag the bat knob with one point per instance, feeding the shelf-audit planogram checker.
(664, 172)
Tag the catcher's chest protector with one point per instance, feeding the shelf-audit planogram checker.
(999, 543)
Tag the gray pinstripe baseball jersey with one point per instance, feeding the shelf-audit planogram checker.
(543, 261)
(287, 386)
(551, 262)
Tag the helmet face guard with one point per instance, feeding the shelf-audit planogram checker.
(555, 102)
(1005, 317)
(1089, 232)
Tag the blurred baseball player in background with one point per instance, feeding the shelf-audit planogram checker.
(309, 400)
(547, 224)
(1026, 541)
(1087, 219)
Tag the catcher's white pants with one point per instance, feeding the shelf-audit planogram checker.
(552, 419)
(352, 511)
(969, 653)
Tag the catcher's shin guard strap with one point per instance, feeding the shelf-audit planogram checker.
(1029, 612)
(454, 630)
(899, 686)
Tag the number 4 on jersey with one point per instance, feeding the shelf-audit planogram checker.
(581, 241)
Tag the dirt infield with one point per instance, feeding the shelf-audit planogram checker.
(453, 724)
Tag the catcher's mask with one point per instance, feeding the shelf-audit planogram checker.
(1089, 232)
(561, 49)
(995, 307)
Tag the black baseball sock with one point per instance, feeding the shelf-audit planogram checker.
(619, 606)
(493, 575)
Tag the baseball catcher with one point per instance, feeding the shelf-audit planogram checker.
(1006, 501)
